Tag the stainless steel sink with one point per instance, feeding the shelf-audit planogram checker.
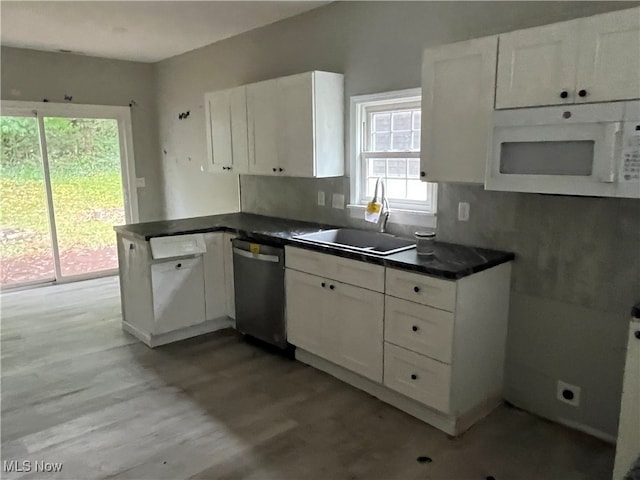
(359, 241)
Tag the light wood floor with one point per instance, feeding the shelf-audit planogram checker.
(76, 389)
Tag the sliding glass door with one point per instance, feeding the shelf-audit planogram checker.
(86, 187)
(63, 189)
(26, 248)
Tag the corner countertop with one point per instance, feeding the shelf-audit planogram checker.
(450, 261)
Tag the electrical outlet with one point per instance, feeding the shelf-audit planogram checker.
(568, 393)
(321, 198)
(463, 211)
(338, 201)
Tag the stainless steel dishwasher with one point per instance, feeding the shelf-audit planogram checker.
(258, 272)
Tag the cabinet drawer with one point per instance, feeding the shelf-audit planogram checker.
(422, 329)
(416, 376)
(344, 270)
(421, 289)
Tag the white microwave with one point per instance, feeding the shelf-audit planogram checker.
(588, 149)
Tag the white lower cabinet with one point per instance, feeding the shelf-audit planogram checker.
(339, 322)
(214, 278)
(423, 329)
(356, 317)
(307, 318)
(166, 300)
(418, 377)
(430, 346)
(229, 284)
(178, 294)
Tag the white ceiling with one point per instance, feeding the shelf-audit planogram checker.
(145, 31)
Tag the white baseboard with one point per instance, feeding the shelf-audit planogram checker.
(152, 341)
(594, 432)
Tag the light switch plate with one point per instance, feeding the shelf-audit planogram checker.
(463, 211)
(321, 198)
(140, 183)
(338, 201)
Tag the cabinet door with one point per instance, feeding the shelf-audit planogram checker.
(355, 323)
(214, 278)
(218, 130)
(229, 284)
(295, 125)
(262, 104)
(239, 130)
(458, 85)
(629, 426)
(307, 321)
(178, 294)
(609, 58)
(536, 65)
(416, 376)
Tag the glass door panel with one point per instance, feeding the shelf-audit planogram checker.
(26, 253)
(86, 186)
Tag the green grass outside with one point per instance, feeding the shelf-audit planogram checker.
(86, 209)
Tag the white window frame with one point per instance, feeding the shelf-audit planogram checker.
(416, 213)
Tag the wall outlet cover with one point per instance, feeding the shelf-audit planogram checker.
(463, 211)
(321, 198)
(338, 201)
(569, 394)
(140, 183)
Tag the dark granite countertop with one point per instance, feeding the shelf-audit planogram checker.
(449, 261)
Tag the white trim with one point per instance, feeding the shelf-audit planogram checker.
(358, 103)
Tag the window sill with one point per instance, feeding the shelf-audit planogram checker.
(403, 217)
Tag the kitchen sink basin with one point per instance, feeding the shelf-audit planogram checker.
(359, 241)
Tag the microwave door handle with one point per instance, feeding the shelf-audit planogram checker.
(612, 133)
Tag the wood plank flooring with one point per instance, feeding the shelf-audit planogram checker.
(77, 390)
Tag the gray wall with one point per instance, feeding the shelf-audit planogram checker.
(31, 75)
(578, 270)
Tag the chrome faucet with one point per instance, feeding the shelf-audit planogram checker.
(384, 212)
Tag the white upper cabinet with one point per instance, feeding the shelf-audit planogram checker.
(458, 83)
(609, 59)
(537, 66)
(262, 103)
(593, 59)
(227, 140)
(296, 125)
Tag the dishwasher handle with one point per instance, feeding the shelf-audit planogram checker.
(256, 256)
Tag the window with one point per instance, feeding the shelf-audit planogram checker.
(386, 144)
